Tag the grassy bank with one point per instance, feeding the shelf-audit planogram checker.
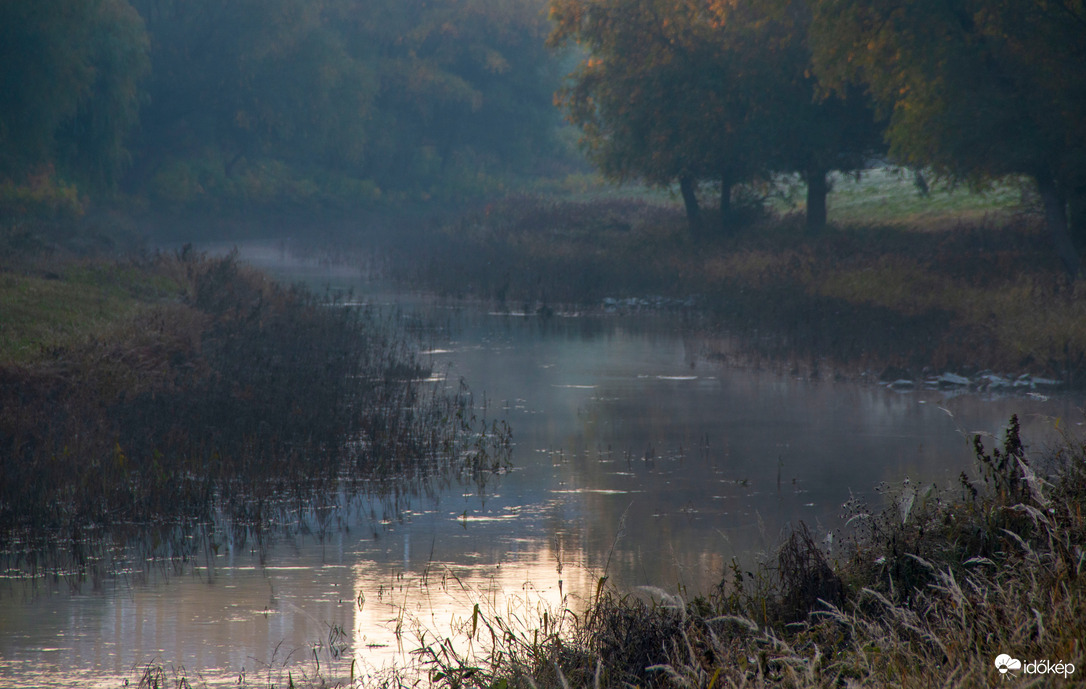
(171, 389)
(926, 592)
(950, 280)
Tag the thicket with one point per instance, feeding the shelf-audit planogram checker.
(232, 399)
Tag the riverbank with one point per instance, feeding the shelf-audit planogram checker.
(933, 287)
(177, 388)
(955, 588)
(963, 586)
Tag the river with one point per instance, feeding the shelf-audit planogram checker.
(636, 457)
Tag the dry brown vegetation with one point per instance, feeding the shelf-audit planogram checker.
(220, 392)
(966, 295)
(926, 592)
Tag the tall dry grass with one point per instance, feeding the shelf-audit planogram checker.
(982, 293)
(926, 591)
(234, 400)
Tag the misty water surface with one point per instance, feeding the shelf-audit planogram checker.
(635, 458)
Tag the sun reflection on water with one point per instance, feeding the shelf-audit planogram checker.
(413, 609)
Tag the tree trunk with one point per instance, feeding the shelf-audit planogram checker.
(817, 190)
(232, 164)
(1076, 218)
(1055, 204)
(690, 200)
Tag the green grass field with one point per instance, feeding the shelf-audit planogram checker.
(64, 304)
(891, 196)
(879, 196)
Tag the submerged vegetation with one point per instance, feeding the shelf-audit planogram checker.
(181, 388)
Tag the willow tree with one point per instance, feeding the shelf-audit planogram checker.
(976, 89)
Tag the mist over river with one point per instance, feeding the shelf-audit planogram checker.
(635, 457)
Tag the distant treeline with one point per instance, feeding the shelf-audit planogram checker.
(730, 91)
(227, 104)
(209, 104)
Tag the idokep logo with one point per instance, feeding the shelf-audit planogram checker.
(1005, 663)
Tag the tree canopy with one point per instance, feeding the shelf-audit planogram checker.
(976, 89)
(203, 101)
(70, 75)
(404, 96)
(706, 90)
(357, 100)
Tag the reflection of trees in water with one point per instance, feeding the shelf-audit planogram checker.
(715, 466)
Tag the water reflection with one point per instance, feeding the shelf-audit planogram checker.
(635, 458)
(670, 465)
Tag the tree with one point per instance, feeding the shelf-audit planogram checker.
(657, 95)
(976, 89)
(250, 79)
(69, 75)
(408, 95)
(694, 90)
(815, 131)
(465, 86)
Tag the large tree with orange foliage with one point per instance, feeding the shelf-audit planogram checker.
(706, 90)
(976, 89)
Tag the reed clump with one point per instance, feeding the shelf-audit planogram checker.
(228, 396)
(928, 590)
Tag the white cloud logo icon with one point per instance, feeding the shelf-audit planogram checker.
(1004, 662)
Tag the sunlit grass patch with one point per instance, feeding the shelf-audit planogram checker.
(898, 197)
(892, 196)
(884, 195)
